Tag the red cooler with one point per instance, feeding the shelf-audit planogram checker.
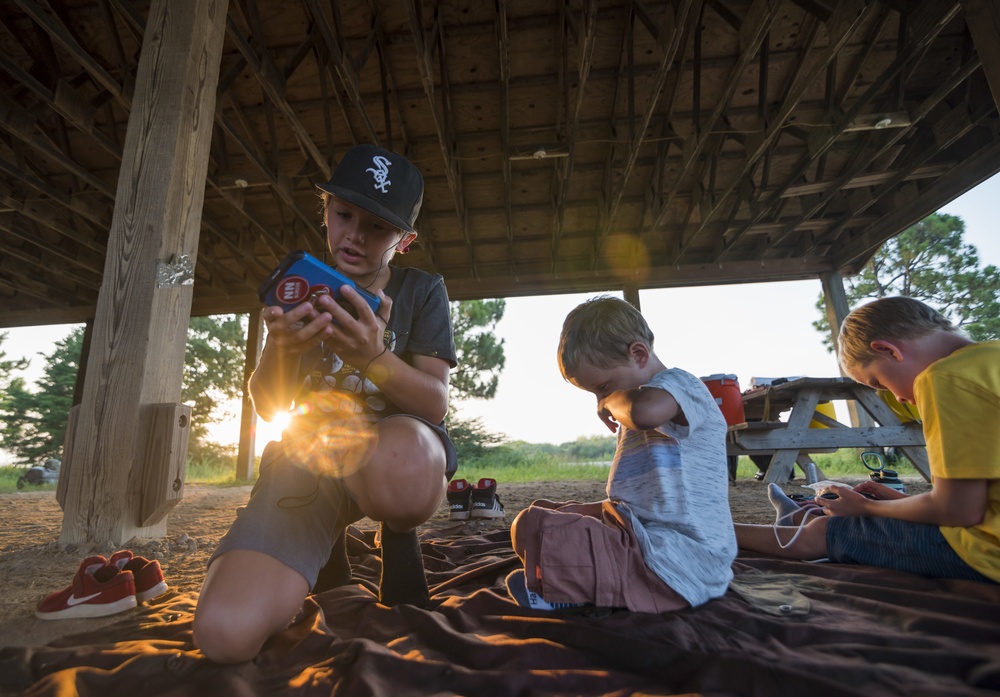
(726, 390)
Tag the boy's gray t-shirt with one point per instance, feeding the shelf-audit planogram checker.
(673, 483)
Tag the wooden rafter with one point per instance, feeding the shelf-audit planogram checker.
(273, 84)
(846, 17)
(670, 38)
(426, 47)
(503, 51)
(585, 41)
(711, 156)
(853, 173)
(824, 140)
(341, 64)
(753, 29)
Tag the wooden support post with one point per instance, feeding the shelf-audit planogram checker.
(248, 417)
(74, 414)
(140, 326)
(67, 459)
(81, 372)
(631, 293)
(837, 309)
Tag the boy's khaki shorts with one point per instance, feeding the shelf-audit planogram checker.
(575, 557)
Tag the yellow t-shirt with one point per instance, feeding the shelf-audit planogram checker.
(959, 400)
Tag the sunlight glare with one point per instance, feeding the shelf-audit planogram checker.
(271, 430)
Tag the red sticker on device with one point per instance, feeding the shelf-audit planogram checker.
(292, 290)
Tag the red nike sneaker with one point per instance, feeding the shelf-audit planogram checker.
(98, 589)
(148, 575)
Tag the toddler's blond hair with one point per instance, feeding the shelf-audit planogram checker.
(599, 332)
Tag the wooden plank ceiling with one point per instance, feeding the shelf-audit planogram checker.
(567, 145)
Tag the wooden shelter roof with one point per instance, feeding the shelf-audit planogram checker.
(567, 145)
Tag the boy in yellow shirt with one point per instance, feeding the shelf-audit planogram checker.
(952, 531)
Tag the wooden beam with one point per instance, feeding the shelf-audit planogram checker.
(935, 17)
(848, 15)
(573, 114)
(983, 20)
(503, 50)
(341, 64)
(273, 84)
(970, 173)
(671, 37)
(59, 34)
(74, 110)
(755, 26)
(425, 46)
(140, 327)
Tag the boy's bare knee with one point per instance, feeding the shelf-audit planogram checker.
(226, 637)
(405, 511)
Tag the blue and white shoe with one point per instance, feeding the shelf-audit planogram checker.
(517, 586)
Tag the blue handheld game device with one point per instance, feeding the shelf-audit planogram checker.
(301, 277)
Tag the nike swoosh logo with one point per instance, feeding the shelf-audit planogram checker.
(73, 600)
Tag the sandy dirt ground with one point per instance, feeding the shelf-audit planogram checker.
(33, 563)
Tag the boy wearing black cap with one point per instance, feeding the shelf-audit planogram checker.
(369, 395)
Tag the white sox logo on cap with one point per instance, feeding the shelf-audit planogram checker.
(381, 173)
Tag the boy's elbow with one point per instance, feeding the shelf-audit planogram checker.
(964, 518)
(442, 409)
(646, 417)
(956, 515)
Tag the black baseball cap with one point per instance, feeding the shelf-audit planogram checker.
(381, 181)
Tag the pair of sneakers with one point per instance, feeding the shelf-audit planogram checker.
(104, 587)
(478, 500)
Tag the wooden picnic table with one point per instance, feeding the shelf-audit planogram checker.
(792, 440)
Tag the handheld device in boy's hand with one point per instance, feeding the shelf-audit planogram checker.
(301, 277)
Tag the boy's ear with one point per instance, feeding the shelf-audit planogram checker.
(887, 349)
(639, 353)
(403, 246)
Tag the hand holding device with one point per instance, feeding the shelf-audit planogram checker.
(301, 277)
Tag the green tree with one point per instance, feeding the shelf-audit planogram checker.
(481, 359)
(34, 422)
(930, 262)
(471, 437)
(587, 448)
(213, 370)
(480, 353)
(8, 366)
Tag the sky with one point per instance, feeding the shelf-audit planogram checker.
(750, 330)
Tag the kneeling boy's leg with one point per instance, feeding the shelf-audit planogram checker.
(405, 479)
(264, 566)
(247, 597)
(403, 485)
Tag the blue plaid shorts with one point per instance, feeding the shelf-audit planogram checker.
(889, 543)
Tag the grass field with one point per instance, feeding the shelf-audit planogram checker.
(218, 469)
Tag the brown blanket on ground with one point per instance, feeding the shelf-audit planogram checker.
(784, 628)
